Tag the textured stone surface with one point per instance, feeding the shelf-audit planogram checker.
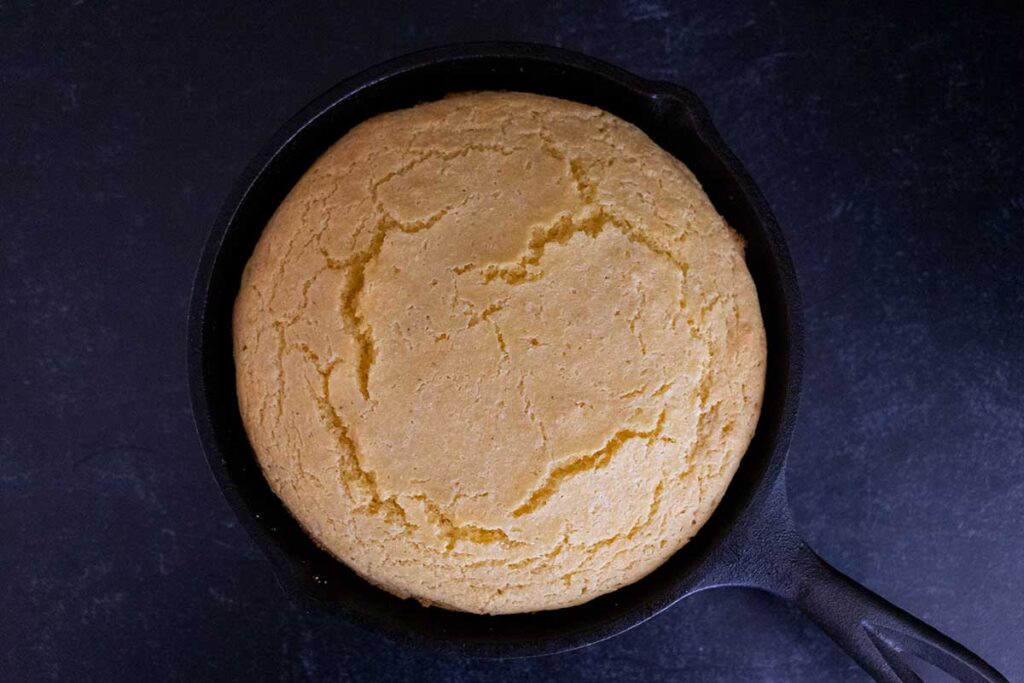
(888, 143)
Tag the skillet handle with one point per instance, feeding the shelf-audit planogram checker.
(873, 631)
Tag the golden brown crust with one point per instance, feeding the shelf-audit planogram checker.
(499, 352)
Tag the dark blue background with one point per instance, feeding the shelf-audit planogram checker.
(888, 140)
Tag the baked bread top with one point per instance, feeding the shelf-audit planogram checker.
(499, 352)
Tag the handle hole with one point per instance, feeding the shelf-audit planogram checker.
(928, 672)
(919, 661)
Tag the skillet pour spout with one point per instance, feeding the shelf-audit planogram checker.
(750, 540)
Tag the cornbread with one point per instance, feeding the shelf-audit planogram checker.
(499, 352)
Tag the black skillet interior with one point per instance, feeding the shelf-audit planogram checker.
(673, 118)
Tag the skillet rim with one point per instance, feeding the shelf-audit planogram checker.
(689, 570)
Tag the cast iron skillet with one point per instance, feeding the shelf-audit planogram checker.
(749, 541)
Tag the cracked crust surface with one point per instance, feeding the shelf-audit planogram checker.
(499, 352)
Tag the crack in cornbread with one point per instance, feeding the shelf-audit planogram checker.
(499, 352)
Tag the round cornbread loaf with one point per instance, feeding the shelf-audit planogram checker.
(499, 352)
